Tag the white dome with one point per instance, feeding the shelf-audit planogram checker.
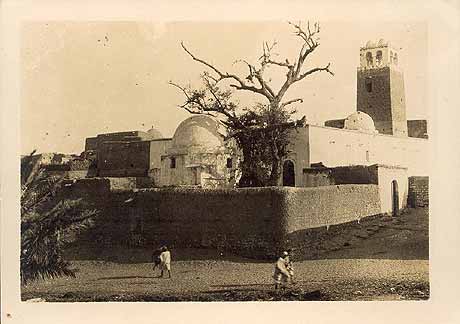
(361, 122)
(154, 133)
(370, 44)
(199, 134)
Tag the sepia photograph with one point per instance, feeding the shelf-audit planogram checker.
(213, 161)
(290, 160)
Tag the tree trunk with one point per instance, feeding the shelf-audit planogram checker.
(275, 169)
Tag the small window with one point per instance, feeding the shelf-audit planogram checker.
(367, 156)
(395, 59)
(173, 163)
(369, 85)
(378, 57)
(369, 59)
(229, 163)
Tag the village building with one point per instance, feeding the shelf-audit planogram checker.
(376, 144)
(181, 190)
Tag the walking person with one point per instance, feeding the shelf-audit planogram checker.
(290, 266)
(156, 258)
(281, 275)
(165, 261)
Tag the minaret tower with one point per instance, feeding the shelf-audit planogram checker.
(380, 88)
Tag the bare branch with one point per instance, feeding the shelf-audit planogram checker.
(258, 75)
(289, 102)
(241, 85)
(201, 61)
(209, 76)
(326, 68)
(310, 43)
(201, 108)
(308, 35)
(251, 68)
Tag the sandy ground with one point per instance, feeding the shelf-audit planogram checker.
(335, 279)
(389, 264)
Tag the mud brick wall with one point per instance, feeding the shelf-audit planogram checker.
(314, 177)
(123, 159)
(418, 195)
(93, 190)
(355, 174)
(244, 221)
(417, 128)
(358, 174)
(253, 222)
(329, 205)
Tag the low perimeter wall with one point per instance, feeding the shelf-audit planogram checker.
(254, 222)
(328, 205)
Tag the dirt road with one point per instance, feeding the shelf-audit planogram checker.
(212, 280)
(390, 263)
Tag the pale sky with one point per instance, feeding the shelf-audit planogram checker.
(82, 79)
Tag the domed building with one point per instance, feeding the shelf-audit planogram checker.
(361, 122)
(370, 44)
(198, 155)
(200, 133)
(154, 134)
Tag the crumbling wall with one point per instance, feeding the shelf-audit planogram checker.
(417, 128)
(418, 195)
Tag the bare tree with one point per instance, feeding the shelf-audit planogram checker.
(270, 119)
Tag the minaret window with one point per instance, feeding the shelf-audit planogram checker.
(395, 59)
(229, 163)
(378, 57)
(173, 163)
(369, 85)
(369, 59)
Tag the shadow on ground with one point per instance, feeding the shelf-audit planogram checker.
(120, 254)
(399, 238)
(128, 277)
(405, 237)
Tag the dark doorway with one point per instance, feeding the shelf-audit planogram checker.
(395, 197)
(288, 174)
(195, 173)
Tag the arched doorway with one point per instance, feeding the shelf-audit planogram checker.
(395, 198)
(288, 174)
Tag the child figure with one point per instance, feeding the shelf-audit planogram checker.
(165, 261)
(281, 274)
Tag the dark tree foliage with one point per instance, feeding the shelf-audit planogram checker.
(262, 131)
(48, 223)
